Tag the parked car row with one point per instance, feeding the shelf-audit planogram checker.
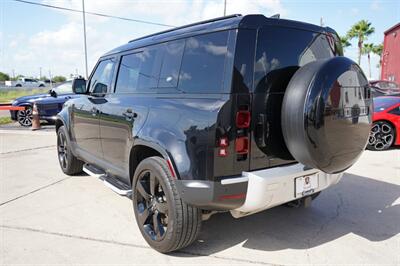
(25, 82)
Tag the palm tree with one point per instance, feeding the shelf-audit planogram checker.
(361, 30)
(344, 40)
(378, 50)
(367, 49)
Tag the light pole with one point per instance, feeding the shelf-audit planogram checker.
(84, 36)
(224, 8)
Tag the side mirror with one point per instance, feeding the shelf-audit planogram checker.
(79, 86)
(53, 93)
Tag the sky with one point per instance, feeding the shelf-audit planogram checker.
(35, 39)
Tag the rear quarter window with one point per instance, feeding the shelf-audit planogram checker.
(203, 63)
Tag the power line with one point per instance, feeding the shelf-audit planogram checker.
(93, 13)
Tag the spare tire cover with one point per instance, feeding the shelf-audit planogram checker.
(326, 114)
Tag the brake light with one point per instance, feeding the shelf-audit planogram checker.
(243, 119)
(242, 145)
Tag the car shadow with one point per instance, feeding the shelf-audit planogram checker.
(356, 205)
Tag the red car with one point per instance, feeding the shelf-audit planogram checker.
(385, 131)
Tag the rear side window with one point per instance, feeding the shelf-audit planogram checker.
(101, 78)
(203, 63)
(171, 64)
(150, 67)
(128, 74)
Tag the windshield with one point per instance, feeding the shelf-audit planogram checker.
(385, 85)
(64, 88)
(383, 103)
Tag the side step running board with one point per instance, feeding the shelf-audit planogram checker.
(111, 182)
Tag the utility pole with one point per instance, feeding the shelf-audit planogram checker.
(224, 8)
(321, 22)
(84, 36)
(40, 73)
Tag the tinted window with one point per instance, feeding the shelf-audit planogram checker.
(171, 64)
(395, 111)
(150, 67)
(203, 63)
(280, 51)
(101, 79)
(128, 73)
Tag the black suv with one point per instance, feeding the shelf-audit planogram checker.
(239, 114)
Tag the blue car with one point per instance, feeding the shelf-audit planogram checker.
(48, 104)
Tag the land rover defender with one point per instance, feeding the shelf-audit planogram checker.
(239, 114)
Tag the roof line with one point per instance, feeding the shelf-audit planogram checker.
(188, 25)
(392, 28)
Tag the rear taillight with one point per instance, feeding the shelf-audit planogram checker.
(223, 143)
(242, 119)
(242, 145)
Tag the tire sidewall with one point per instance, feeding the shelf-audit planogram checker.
(61, 130)
(154, 164)
(18, 114)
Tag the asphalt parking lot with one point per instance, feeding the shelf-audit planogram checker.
(47, 217)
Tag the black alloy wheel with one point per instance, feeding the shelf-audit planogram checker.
(24, 117)
(165, 221)
(152, 205)
(381, 136)
(62, 150)
(69, 164)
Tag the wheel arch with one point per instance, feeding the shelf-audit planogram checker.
(144, 149)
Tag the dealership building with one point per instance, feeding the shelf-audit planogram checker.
(391, 54)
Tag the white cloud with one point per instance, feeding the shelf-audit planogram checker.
(376, 5)
(61, 49)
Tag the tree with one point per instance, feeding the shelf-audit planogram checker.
(344, 40)
(378, 50)
(367, 49)
(59, 79)
(4, 76)
(361, 30)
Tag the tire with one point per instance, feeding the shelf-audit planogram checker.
(41, 86)
(381, 137)
(18, 85)
(156, 201)
(24, 117)
(325, 114)
(69, 164)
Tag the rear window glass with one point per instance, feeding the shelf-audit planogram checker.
(203, 63)
(285, 49)
(383, 103)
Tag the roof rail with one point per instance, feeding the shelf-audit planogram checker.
(188, 25)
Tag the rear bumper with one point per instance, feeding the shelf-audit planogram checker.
(252, 191)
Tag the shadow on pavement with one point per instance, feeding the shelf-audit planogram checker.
(357, 205)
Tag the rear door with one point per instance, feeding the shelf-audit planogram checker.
(280, 52)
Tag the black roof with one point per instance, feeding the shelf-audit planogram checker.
(236, 21)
